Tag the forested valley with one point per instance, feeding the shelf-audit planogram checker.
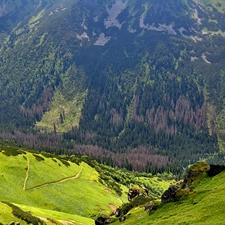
(147, 96)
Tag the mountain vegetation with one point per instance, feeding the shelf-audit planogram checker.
(201, 203)
(136, 84)
(103, 104)
(40, 188)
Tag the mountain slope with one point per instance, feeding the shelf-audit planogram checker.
(203, 205)
(121, 76)
(49, 186)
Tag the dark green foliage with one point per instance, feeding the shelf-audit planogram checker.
(157, 94)
(114, 177)
(38, 157)
(10, 151)
(65, 162)
(75, 159)
(27, 217)
(111, 183)
(54, 160)
(47, 155)
(138, 201)
(87, 160)
(22, 151)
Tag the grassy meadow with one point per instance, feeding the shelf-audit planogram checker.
(52, 188)
(205, 204)
(47, 183)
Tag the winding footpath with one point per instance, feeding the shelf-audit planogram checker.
(58, 181)
(27, 173)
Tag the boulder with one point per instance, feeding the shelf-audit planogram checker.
(102, 220)
(148, 208)
(215, 169)
(12, 223)
(133, 193)
(122, 218)
(169, 195)
(117, 212)
(193, 172)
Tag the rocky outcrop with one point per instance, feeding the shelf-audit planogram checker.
(14, 223)
(133, 193)
(194, 173)
(102, 220)
(119, 214)
(122, 218)
(169, 195)
(215, 169)
(148, 208)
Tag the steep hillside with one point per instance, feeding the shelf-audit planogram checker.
(22, 15)
(117, 76)
(203, 203)
(51, 188)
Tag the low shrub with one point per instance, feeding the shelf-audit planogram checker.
(139, 200)
(27, 217)
(66, 163)
(38, 157)
(9, 151)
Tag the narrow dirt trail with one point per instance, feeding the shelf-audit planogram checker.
(27, 173)
(70, 178)
(58, 181)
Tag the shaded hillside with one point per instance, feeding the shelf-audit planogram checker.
(118, 76)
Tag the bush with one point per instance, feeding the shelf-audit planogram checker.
(9, 151)
(38, 157)
(27, 217)
(63, 161)
(54, 160)
(47, 155)
(139, 200)
(75, 159)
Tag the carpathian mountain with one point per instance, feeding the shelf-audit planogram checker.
(140, 83)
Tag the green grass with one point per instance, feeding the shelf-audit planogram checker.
(49, 186)
(71, 109)
(214, 3)
(6, 214)
(34, 19)
(48, 215)
(83, 196)
(42, 39)
(204, 205)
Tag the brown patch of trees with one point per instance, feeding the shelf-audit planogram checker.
(137, 159)
(42, 106)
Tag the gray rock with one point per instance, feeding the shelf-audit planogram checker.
(169, 195)
(102, 220)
